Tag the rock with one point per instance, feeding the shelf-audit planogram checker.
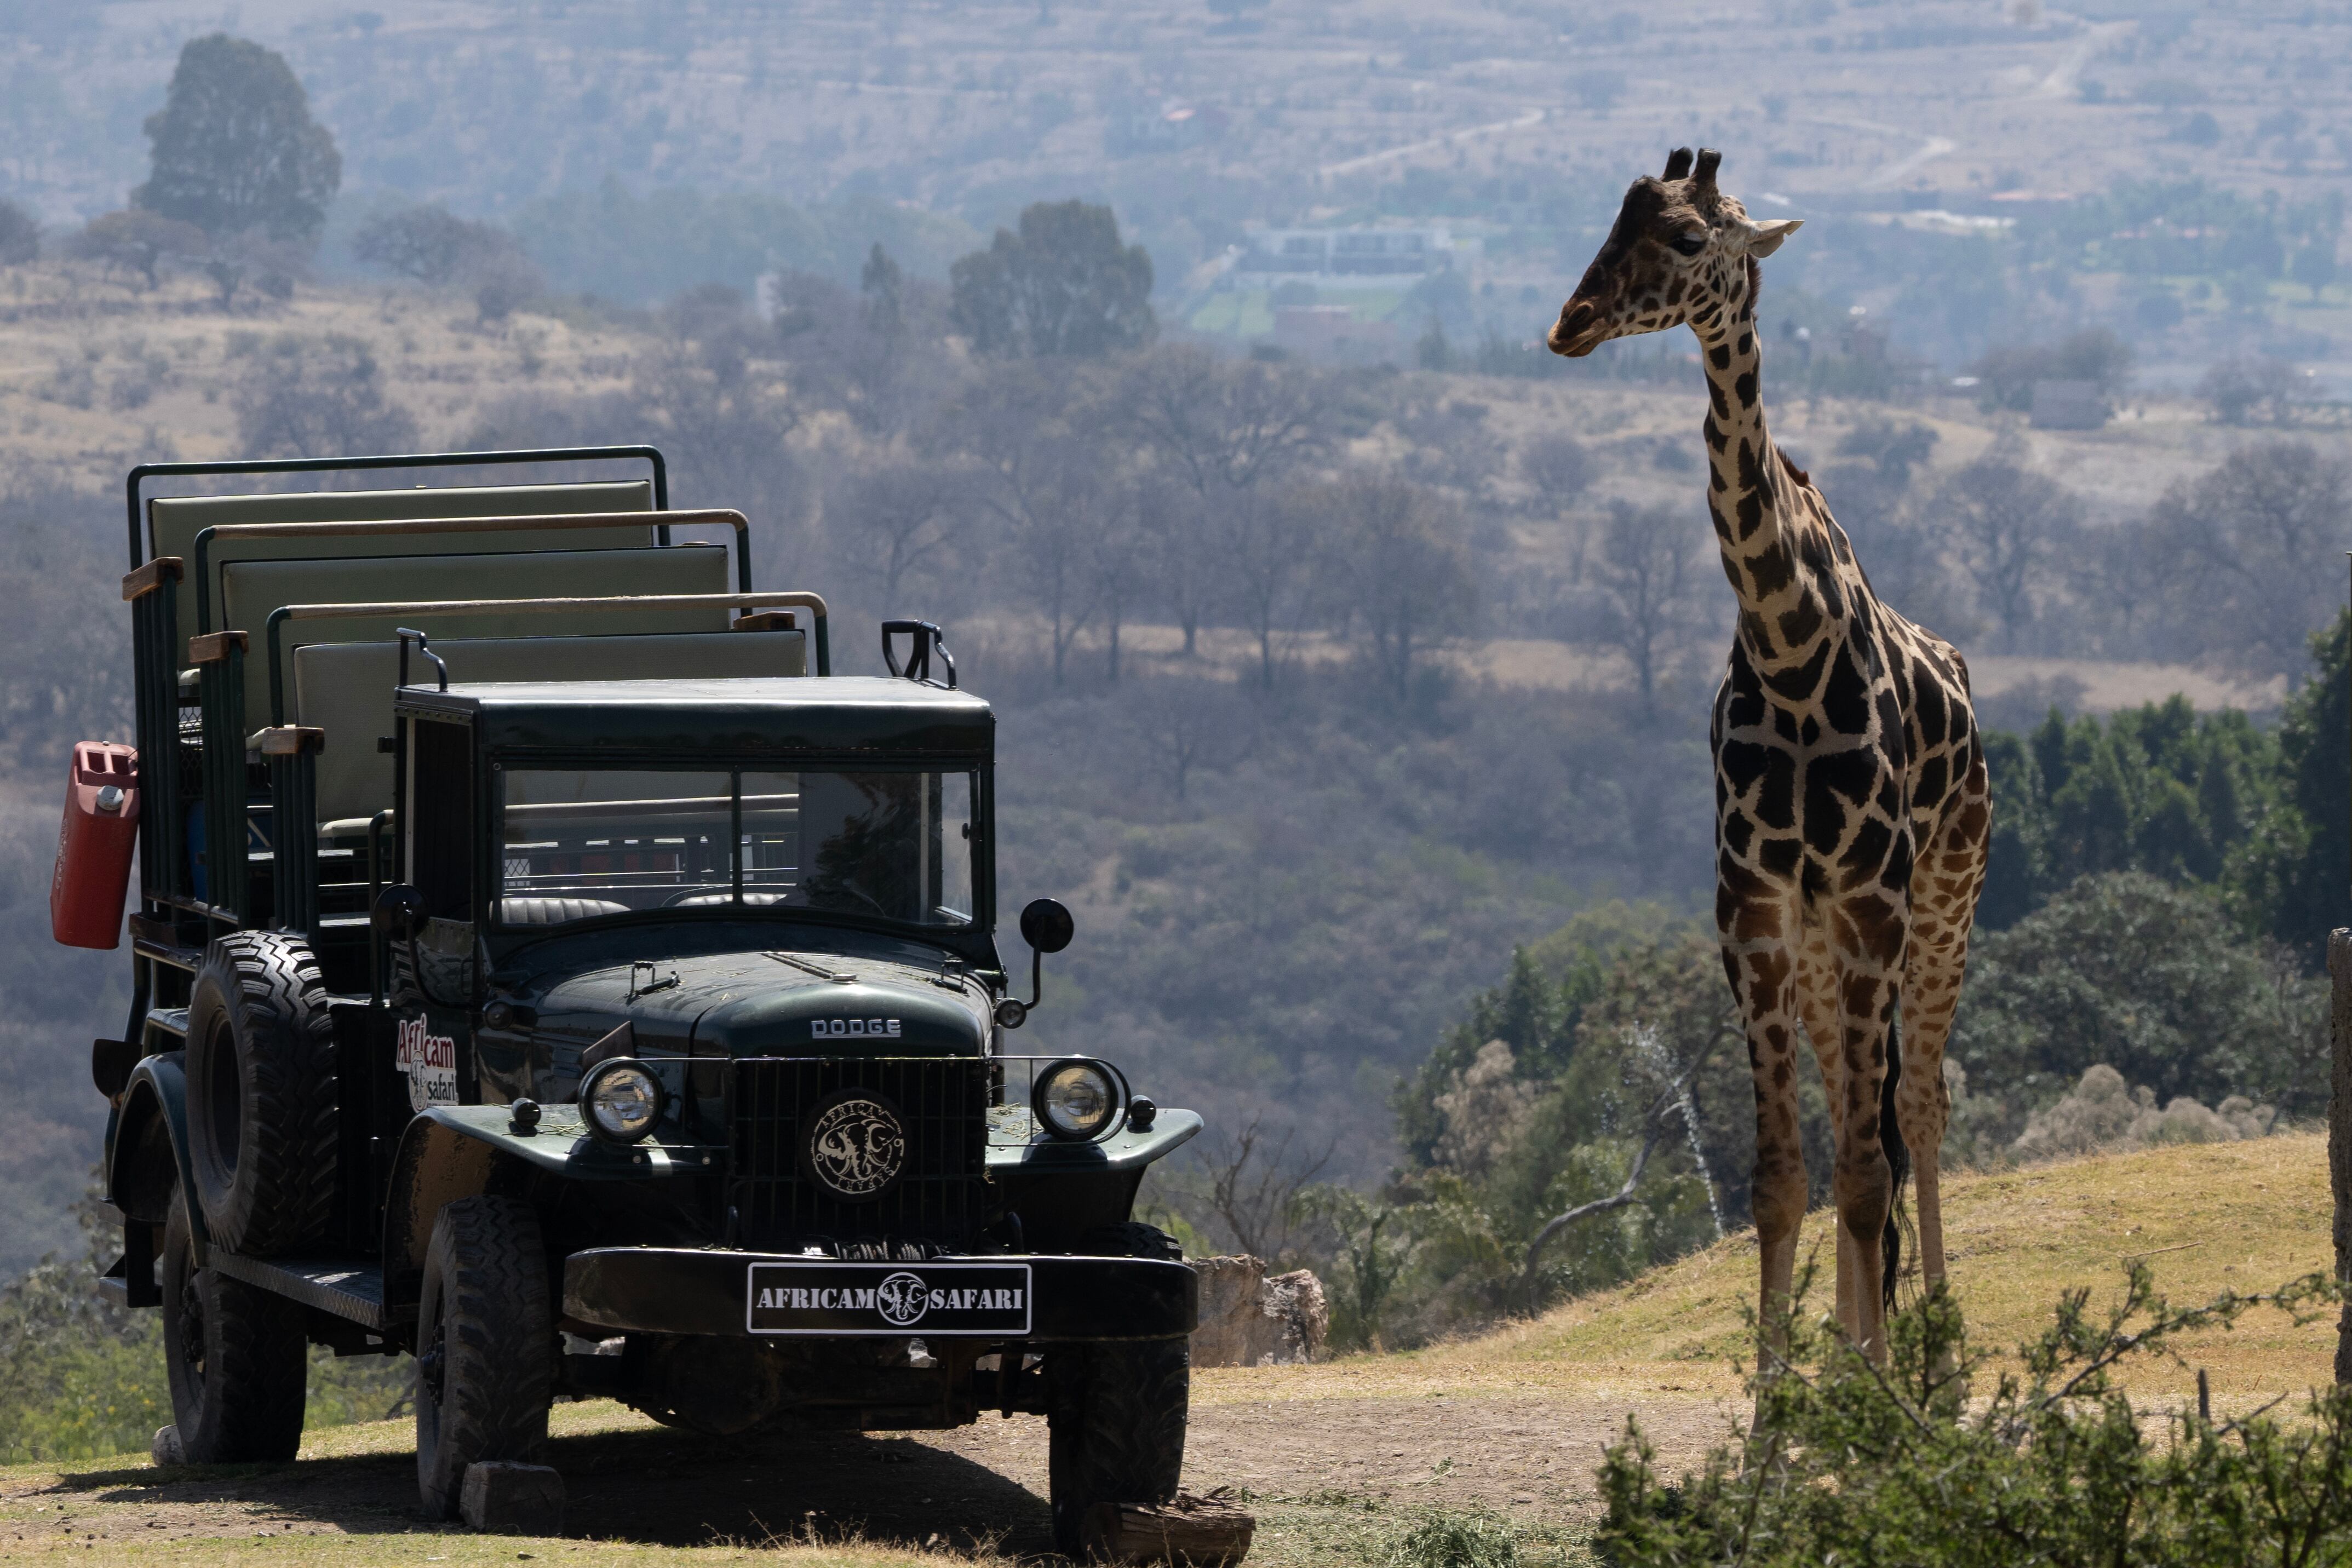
(512, 1499)
(1249, 1319)
(1212, 1531)
(167, 1449)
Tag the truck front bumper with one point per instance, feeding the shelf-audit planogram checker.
(714, 1291)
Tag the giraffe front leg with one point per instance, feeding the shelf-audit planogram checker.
(1760, 964)
(1863, 1183)
(1817, 1004)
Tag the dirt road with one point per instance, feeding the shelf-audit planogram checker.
(1322, 1471)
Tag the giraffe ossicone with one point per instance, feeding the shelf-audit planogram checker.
(1852, 806)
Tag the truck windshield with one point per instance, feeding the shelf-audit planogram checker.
(584, 842)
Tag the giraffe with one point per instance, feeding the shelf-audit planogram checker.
(1852, 806)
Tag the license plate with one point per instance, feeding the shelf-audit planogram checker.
(888, 1299)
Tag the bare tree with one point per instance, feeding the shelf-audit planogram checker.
(1189, 723)
(2251, 538)
(1268, 542)
(1398, 549)
(1044, 480)
(1255, 1182)
(898, 517)
(1642, 567)
(1121, 567)
(317, 398)
(2007, 524)
(1223, 432)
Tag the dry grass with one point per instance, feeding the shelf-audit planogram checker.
(2208, 1217)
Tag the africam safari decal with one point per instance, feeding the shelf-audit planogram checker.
(855, 1028)
(826, 1297)
(430, 1061)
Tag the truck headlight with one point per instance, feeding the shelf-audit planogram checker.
(622, 1100)
(1075, 1100)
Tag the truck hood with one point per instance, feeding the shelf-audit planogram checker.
(772, 1003)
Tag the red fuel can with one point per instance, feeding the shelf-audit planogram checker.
(94, 845)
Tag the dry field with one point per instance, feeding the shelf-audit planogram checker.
(1338, 1457)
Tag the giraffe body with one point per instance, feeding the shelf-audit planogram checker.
(1851, 805)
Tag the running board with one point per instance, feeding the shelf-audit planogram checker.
(348, 1289)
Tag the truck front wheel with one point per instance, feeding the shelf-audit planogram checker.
(484, 1339)
(1117, 1423)
(235, 1356)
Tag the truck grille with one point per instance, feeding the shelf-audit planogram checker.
(943, 1105)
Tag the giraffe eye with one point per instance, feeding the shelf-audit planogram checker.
(1688, 244)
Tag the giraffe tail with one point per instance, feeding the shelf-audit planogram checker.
(1898, 1164)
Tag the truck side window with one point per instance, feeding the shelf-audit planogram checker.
(441, 800)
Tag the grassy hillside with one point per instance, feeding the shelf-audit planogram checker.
(2208, 1217)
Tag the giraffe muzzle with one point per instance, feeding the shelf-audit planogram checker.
(1578, 331)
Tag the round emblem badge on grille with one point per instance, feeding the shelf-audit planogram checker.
(855, 1146)
(902, 1299)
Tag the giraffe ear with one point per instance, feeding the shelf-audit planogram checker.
(1678, 163)
(1764, 239)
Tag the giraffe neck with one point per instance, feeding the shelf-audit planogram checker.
(1779, 548)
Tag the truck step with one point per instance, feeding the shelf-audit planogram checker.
(346, 1287)
(170, 1020)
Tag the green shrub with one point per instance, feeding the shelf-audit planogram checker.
(1855, 1464)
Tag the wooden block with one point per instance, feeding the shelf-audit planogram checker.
(214, 646)
(1212, 1531)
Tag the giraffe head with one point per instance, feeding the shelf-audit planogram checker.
(1681, 251)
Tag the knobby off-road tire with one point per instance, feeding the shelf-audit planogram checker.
(235, 1357)
(261, 1076)
(1131, 1238)
(1116, 1427)
(485, 1344)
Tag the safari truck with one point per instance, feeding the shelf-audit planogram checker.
(545, 966)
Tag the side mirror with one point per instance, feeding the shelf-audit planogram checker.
(396, 910)
(1047, 927)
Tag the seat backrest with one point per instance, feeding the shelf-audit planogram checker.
(345, 689)
(174, 521)
(252, 589)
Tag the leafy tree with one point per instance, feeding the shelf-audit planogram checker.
(236, 147)
(2244, 387)
(137, 241)
(20, 235)
(2156, 981)
(2094, 354)
(2291, 878)
(2156, 789)
(1062, 286)
(427, 243)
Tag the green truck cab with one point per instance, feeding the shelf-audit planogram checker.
(595, 1002)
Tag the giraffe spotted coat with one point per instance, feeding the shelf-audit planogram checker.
(1852, 808)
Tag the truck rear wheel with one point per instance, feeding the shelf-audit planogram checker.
(235, 1356)
(261, 1074)
(485, 1341)
(1116, 1427)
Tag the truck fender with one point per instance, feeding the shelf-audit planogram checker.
(440, 1160)
(147, 1147)
(451, 1152)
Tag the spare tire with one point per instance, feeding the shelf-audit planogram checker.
(261, 1091)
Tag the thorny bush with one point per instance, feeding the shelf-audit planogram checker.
(1858, 1465)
